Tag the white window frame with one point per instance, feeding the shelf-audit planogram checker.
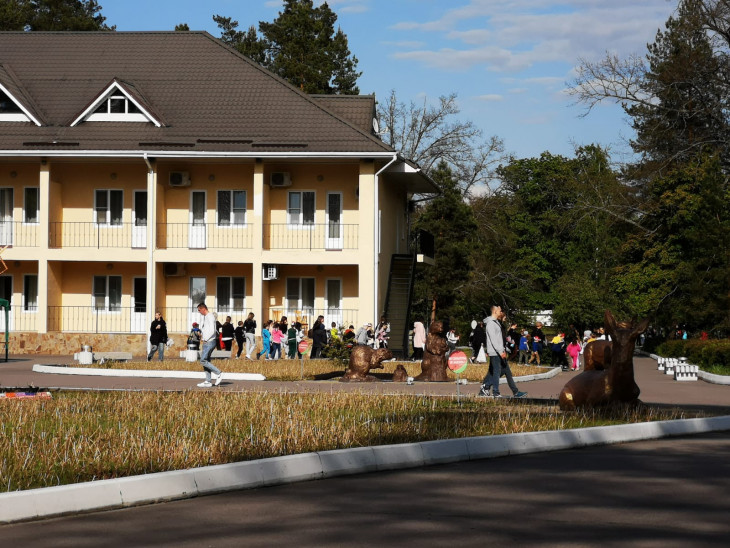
(26, 279)
(108, 222)
(300, 216)
(230, 307)
(231, 221)
(107, 295)
(37, 203)
(23, 116)
(299, 305)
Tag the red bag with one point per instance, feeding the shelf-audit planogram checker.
(219, 342)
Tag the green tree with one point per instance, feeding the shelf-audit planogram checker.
(300, 45)
(52, 15)
(439, 288)
(182, 27)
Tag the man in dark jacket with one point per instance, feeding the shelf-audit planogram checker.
(158, 337)
(319, 339)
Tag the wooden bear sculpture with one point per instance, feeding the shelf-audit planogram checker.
(400, 374)
(362, 360)
(434, 364)
(614, 383)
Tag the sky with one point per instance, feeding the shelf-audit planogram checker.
(508, 61)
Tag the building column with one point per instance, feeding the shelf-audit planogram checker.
(367, 243)
(256, 303)
(44, 197)
(151, 271)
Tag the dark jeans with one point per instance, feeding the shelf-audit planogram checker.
(239, 342)
(491, 379)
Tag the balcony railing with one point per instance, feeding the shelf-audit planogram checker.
(20, 318)
(307, 316)
(87, 319)
(204, 236)
(91, 234)
(18, 234)
(180, 319)
(322, 236)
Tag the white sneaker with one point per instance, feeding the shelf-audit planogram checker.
(219, 379)
(204, 384)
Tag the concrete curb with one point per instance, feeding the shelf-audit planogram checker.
(93, 371)
(164, 486)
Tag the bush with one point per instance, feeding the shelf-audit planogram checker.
(706, 354)
(338, 351)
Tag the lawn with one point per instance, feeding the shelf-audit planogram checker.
(78, 437)
(289, 370)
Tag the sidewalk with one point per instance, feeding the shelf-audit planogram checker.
(656, 387)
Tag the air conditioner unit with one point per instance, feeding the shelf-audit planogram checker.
(280, 179)
(271, 272)
(174, 269)
(179, 178)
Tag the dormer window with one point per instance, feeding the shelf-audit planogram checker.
(10, 111)
(119, 102)
(117, 108)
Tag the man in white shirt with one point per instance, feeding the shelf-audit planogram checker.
(209, 334)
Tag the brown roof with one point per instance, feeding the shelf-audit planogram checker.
(358, 109)
(208, 97)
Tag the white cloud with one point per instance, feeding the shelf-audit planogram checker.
(490, 97)
(508, 36)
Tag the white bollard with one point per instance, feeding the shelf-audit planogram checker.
(86, 358)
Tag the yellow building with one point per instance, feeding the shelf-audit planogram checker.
(153, 171)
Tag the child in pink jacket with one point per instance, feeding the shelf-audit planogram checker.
(573, 351)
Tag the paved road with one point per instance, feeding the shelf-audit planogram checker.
(667, 493)
(655, 386)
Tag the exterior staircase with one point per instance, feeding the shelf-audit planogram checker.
(398, 302)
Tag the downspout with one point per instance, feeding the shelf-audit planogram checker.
(376, 236)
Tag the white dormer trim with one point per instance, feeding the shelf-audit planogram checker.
(15, 116)
(115, 91)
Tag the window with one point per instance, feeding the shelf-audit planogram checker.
(108, 207)
(117, 108)
(197, 292)
(231, 294)
(30, 292)
(231, 207)
(30, 207)
(300, 294)
(300, 208)
(7, 105)
(11, 111)
(108, 293)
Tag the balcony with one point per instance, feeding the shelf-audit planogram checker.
(95, 235)
(18, 234)
(88, 319)
(312, 237)
(204, 236)
(20, 318)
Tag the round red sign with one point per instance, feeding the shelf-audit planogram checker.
(458, 361)
(303, 347)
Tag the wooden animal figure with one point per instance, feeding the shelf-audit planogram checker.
(434, 363)
(362, 359)
(613, 384)
(400, 374)
(597, 355)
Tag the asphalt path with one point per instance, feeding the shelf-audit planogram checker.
(670, 492)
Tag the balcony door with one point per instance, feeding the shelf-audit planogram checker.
(6, 216)
(139, 306)
(196, 235)
(6, 292)
(334, 220)
(333, 298)
(139, 220)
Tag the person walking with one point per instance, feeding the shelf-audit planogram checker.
(478, 340)
(497, 358)
(265, 341)
(319, 339)
(249, 330)
(291, 341)
(209, 337)
(240, 337)
(538, 338)
(419, 340)
(524, 348)
(158, 337)
(276, 336)
(227, 334)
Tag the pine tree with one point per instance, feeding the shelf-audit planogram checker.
(52, 15)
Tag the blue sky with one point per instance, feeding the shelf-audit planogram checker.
(508, 60)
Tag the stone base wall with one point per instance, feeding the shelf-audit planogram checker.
(66, 344)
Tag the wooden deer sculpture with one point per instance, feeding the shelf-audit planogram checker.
(615, 383)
